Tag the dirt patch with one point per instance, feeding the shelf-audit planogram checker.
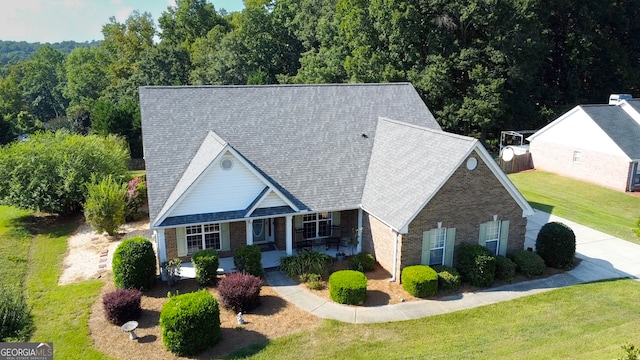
(89, 254)
(274, 317)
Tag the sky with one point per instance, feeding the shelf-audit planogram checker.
(78, 20)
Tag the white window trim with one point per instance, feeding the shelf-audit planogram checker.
(317, 222)
(434, 233)
(202, 235)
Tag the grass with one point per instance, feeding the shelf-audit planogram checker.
(590, 321)
(31, 253)
(609, 211)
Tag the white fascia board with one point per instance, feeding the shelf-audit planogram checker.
(527, 210)
(382, 221)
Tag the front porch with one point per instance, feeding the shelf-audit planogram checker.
(270, 259)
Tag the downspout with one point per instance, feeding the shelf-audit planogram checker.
(395, 256)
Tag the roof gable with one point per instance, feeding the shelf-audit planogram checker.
(311, 142)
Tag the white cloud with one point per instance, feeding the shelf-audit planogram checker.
(73, 3)
(123, 13)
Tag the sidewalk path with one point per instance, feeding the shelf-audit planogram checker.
(603, 257)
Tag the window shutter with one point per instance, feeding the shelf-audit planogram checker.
(426, 247)
(181, 239)
(482, 237)
(449, 245)
(335, 218)
(297, 222)
(225, 238)
(504, 237)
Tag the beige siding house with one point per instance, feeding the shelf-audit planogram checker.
(599, 144)
(285, 165)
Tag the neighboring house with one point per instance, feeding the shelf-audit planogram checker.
(234, 165)
(593, 143)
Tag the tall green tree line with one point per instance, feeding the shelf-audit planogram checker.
(480, 65)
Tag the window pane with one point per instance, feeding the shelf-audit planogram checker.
(436, 256)
(438, 238)
(324, 228)
(493, 229)
(309, 217)
(212, 241)
(194, 243)
(309, 230)
(492, 246)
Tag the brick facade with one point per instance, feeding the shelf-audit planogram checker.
(378, 239)
(594, 167)
(468, 199)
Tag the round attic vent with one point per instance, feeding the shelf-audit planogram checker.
(226, 164)
(472, 163)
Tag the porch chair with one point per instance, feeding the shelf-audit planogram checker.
(334, 238)
(301, 242)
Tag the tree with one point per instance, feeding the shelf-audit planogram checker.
(105, 205)
(86, 70)
(48, 172)
(122, 119)
(187, 21)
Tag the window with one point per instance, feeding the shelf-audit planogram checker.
(200, 237)
(492, 236)
(438, 241)
(636, 176)
(316, 225)
(576, 157)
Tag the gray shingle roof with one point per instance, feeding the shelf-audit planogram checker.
(409, 164)
(618, 125)
(307, 139)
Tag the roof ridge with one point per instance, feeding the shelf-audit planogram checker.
(434, 131)
(403, 83)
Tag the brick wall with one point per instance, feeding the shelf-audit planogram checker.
(170, 243)
(378, 239)
(468, 199)
(598, 168)
(281, 233)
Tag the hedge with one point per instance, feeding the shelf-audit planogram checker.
(556, 244)
(528, 263)
(134, 264)
(448, 278)
(240, 291)
(362, 262)
(348, 287)
(206, 263)
(122, 305)
(248, 259)
(420, 280)
(476, 265)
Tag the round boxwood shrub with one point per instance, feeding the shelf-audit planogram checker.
(420, 280)
(206, 263)
(348, 287)
(122, 305)
(248, 259)
(528, 263)
(362, 262)
(240, 291)
(134, 264)
(556, 244)
(476, 265)
(505, 268)
(190, 323)
(448, 278)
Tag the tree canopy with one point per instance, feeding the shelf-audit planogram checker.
(481, 66)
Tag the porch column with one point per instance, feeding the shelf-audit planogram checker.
(289, 234)
(359, 247)
(249, 231)
(158, 236)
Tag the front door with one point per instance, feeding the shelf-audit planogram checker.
(263, 231)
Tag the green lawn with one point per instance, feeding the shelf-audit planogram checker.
(609, 211)
(31, 253)
(590, 321)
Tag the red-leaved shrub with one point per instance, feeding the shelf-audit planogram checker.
(240, 291)
(122, 305)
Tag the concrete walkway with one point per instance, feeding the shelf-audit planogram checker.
(603, 257)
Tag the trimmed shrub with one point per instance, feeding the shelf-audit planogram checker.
(16, 323)
(476, 265)
(505, 269)
(190, 323)
(105, 205)
(362, 262)
(122, 305)
(348, 287)
(448, 278)
(206, 263)
(420, 280)
(134, 264)
(528, 263)
(240, 291)
(308, 262)
(556, 244)
(248, 259)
